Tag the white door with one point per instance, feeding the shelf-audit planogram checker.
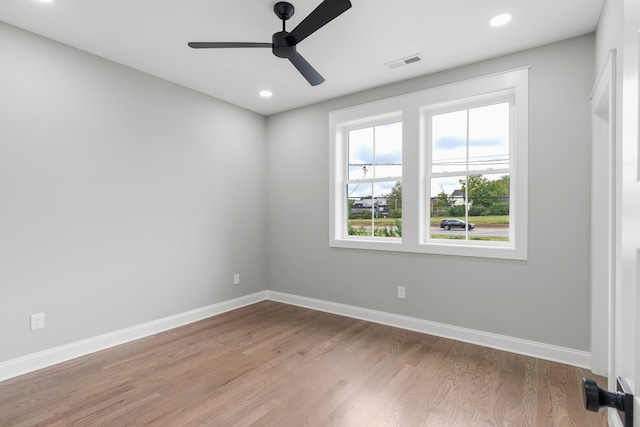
(627, 321)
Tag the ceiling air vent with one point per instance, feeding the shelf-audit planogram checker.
(404, 61)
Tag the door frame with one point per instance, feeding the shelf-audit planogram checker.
(604, 179)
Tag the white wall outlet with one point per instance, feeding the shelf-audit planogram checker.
(236, 279)
(401, 292)
(37, 321)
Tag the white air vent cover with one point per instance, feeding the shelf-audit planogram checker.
(404, 61)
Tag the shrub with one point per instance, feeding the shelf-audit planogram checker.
(356, 231)
(387, 232)
(479, 211)
(395, 213)
(456, 211)
(500, 209)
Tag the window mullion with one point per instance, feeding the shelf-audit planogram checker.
(466, 187)
(374, 180)
(373, 196)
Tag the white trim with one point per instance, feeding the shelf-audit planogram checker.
(603, 224)
(44, 359)
(549, 352)
(32, 362)
(614, 419)
(355, 114)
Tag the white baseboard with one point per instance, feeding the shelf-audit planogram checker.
(500, 342)
(32, 362)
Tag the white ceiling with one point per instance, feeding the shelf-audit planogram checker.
(350, 52)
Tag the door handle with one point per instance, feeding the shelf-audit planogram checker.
(595, 398)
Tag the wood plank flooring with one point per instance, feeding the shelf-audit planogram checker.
(272, 364)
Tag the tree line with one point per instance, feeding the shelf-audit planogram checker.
(483, 196)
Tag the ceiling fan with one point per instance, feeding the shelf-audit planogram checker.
(283, 43)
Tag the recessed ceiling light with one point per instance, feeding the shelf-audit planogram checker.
(500, 20)
(266, 93)
(45, 1)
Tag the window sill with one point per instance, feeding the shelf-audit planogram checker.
(480, 250)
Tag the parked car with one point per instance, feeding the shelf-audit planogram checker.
(448, 224)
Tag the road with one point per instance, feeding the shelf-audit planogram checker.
(478, 232)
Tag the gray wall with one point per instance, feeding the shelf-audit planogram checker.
(123, 198)
(544, 299)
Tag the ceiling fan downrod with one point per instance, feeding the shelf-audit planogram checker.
(283, 48)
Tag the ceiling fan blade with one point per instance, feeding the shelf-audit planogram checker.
(214, 45)
(308, 72)
(326, 12)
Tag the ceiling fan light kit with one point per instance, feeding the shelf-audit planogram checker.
(284, 44)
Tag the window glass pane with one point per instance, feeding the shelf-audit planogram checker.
(394, 200)
(489, 137)
(375, 209)
(359, 218)
(359, 191)
(361, 153)
(488, 208)
(447, 203)
(489, 198)
(449, 142)
(388, 150)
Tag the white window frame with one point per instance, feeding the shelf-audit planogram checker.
(413, 108)
(370, 122)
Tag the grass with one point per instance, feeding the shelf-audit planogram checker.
(461, 237)
(435, 222)
(389, 225)
(477, 220)
(382, 222)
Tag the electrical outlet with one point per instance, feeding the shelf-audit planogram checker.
(236, 279)
(401, 292)
(37, 321)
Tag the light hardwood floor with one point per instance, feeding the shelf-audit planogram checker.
(272, 364)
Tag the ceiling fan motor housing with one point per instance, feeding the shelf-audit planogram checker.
(282, 48)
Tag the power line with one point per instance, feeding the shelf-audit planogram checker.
(364, 170)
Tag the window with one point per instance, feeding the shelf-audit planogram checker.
(469, 170)
(374, 177)
(457, 153)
